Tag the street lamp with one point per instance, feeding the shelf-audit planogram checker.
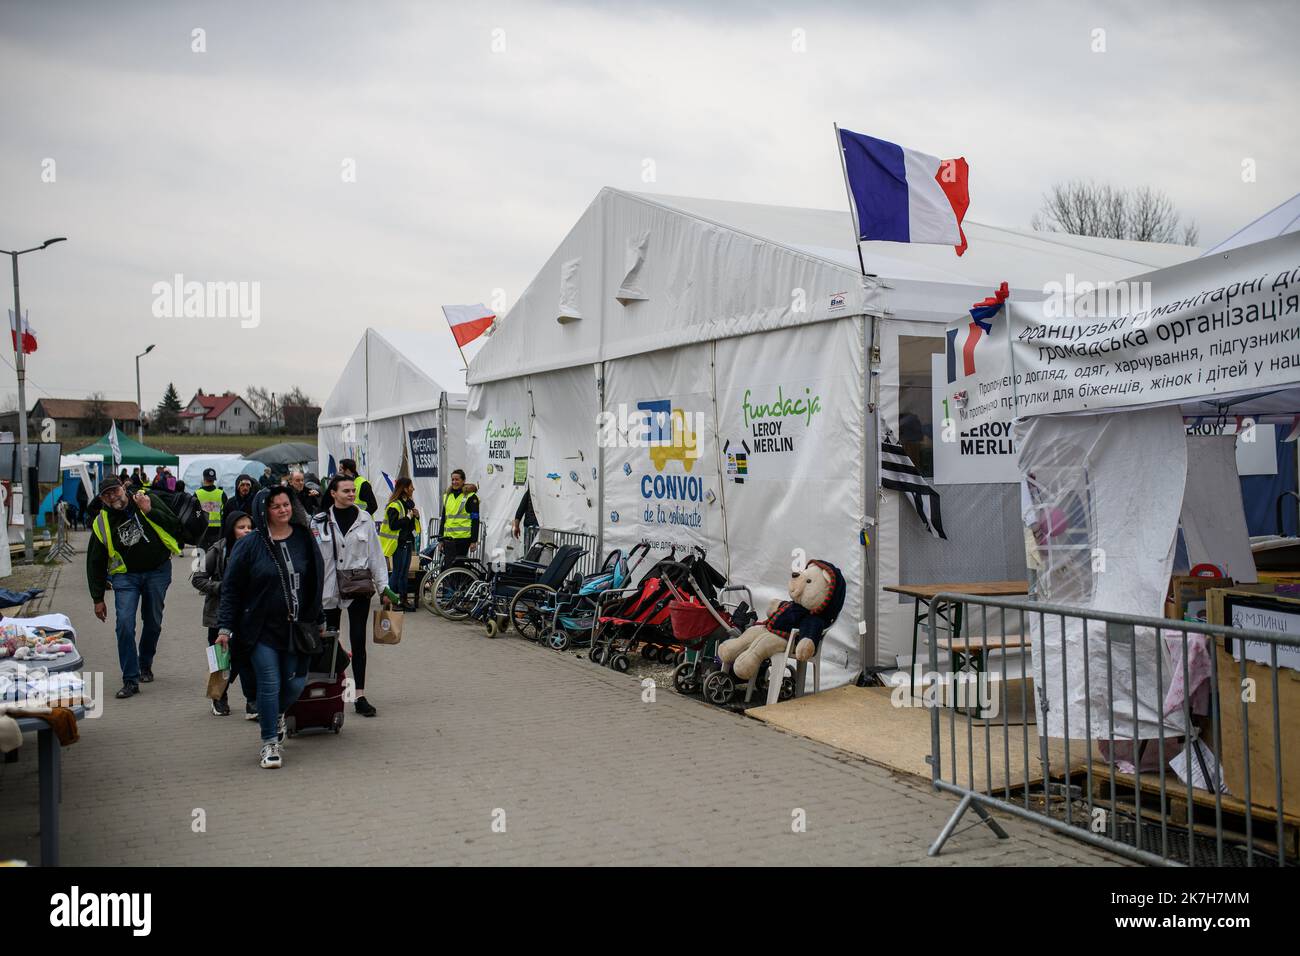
(139, 410)
(31, 500)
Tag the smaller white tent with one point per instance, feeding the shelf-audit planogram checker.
(390, 412)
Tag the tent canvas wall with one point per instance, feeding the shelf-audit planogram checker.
(744, 342)
(389, 413)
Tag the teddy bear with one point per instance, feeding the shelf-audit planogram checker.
(816, 598)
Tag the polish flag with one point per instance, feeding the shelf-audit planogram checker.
(468, 322)
(28, 336)
(902, 195)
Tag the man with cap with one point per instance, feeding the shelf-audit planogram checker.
(132, 540)
(365, 493)
(213, 501)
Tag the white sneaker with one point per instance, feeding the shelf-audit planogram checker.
(281, 730)
(270, 756)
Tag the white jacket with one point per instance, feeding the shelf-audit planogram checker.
(359, 548)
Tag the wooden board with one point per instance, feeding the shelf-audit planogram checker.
(864, 721)
(980, 588)
(1176, 791)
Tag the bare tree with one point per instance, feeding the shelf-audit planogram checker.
(295, 396)
(1092, 209)
(259, 399)
(96, 417)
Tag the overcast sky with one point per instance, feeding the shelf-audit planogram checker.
(471, 163)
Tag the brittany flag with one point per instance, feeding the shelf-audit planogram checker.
(24, 332)
(902, 195)
(468, 322)
(963, 341)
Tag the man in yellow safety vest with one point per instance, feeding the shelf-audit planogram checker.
(366, 499)
(213, 502)
(131, 545)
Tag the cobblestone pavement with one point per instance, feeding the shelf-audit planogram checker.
(470, 732)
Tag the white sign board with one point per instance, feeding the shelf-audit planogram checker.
(968, 455)
(1210, 327)
(1266, 619)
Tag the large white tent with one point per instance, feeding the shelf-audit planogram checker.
(747, 333)
(389, 412)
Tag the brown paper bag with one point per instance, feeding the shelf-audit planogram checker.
(217, 683)
(388, 626)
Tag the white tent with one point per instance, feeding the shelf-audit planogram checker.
(390, 413)
(748, 333)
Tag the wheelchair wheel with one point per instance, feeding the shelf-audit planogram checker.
(531, 609)
(719, 687)
(449, 590)
(490, 628)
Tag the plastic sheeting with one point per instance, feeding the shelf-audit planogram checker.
(1104, 495)
(1213, 518)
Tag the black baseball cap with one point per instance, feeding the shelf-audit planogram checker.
(109, 483)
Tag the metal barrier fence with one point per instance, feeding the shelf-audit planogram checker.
(1101, 703)
(589, 563)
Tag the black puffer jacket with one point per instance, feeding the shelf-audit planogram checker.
(252, 588)
(208, 581)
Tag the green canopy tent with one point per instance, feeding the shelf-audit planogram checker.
(133, 452)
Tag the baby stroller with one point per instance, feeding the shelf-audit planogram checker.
(639, 617)
(570, 618)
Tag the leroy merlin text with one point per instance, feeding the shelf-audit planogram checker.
(767, 433)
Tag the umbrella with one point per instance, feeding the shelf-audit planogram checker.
(288, 453)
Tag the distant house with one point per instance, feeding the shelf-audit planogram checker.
(225, 414)
(73, 416)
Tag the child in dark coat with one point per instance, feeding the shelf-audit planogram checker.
(208, 582)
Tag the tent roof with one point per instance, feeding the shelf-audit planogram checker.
(701, 269)
(406, 368)
(133, 452)
(1276, 222)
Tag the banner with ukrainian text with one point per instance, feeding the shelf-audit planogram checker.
(1212, 328)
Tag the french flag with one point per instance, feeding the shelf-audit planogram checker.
(468, 322)
(963, 341)
(902, 195)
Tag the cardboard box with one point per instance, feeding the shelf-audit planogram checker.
(1214, 599)
(1184, 588)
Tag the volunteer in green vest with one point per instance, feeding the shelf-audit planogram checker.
(458, 518)
(397, 535)
(366, 499)
(213, 501)
(132, 541)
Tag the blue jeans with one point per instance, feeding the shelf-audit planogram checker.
(144, 591)
(280, 679)
(401, 567)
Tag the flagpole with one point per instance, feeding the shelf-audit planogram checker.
(853, 209)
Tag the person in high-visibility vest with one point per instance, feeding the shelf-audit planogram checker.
(398, 534)
(366, 499)
(132, 541)
(458, 524)
(213, 502)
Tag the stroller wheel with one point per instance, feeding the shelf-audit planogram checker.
(719, 688)
(490, 628)
(559, 640)
(787, 687)
(650, 652)
(680, 658)
(597, 655)
(620, 663)
(684, 679)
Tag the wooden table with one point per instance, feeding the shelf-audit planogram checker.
(925, 594)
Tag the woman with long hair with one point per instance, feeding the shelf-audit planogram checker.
(270, 596)
(354, 561)
(397, 534)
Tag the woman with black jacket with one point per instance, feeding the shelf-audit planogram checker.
(271, 590)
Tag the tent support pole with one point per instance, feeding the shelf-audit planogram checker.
(853, 209)
(869, 636)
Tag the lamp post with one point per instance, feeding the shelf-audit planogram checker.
(31, 497)
(139, 409)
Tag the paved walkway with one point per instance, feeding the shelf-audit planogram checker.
(470, 731)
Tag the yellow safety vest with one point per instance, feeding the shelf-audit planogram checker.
(361, 483)
(456, 521)
(116, 563)
(387, 536)
(211, 496)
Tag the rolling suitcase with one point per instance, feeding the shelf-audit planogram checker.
(320, 706)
